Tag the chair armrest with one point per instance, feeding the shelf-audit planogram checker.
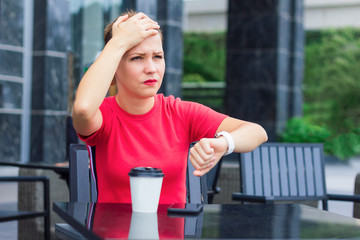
(237, 196)
(213, 191)
(43, 179)
(339, 197)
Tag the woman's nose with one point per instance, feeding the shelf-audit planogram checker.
(150, 66)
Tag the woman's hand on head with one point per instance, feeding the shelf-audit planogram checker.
(206, 154)
(134, 30)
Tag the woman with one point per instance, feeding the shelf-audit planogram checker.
(139, 127)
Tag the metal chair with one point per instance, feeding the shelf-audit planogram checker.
(19, 215)
(286, 172)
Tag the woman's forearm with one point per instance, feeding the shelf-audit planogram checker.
(246, 135)
(96, 82)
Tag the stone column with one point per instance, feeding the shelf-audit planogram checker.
(265, 62)
(170, 13)
(11, 78)
(297, 59)
(50, 81)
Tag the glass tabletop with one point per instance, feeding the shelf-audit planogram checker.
(114, 220)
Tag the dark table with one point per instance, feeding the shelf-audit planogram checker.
(116, 221)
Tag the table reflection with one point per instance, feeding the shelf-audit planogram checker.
(144, 226)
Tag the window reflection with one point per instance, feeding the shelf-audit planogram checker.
(88, 19)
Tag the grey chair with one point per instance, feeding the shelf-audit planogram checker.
(83, 187)
(285, 172)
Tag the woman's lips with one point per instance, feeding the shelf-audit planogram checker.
(150, 82)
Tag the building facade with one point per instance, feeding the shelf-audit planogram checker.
(45, 48)
(211, 15)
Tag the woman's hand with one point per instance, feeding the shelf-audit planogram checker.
(206, 154)
(131, 31)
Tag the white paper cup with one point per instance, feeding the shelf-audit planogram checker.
(145, 186)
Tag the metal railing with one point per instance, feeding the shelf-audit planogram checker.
(211, 94)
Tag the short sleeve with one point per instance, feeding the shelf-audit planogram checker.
(201, 121)
(107, 116)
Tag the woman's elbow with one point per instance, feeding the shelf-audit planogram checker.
(81, 110)
(266, 138)
(263, 137)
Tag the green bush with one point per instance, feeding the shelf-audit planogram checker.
(332, 87)
(204, 55)
(300, 130)
(344, 145)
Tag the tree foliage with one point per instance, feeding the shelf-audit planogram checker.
(332, 88)
(204, 57)
(331, 85)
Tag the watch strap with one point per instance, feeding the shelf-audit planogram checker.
(229, 139)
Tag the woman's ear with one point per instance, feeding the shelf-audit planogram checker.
(113, 82)
(113, 88)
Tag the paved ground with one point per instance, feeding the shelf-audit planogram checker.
(340, 179)
(8, 201)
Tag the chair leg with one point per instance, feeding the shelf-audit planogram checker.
(325, 205)
(47, 208)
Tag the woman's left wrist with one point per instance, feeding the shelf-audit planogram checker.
(230, 141)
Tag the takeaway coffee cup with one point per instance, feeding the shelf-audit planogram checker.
(145, 186)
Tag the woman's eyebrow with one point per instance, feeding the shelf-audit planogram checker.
(143, 54)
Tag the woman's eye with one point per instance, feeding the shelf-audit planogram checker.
(135, 58)
(158, 56)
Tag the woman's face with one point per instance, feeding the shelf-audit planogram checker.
(141, 69)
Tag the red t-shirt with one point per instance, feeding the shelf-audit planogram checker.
(160, 138)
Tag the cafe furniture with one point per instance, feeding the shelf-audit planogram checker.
(285, 172)
(83, 185)
(216, 221)
(6, 215)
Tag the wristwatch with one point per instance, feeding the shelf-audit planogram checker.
(229, 139)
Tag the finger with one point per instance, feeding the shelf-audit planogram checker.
(205, 144)
(121, 19)
(204, 150)
(151, 26)
(140, 15)
(193, 156)
(147, 20)
(202, 172)
(198, 162)
(198, 158)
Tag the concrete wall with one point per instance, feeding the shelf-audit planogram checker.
(211, 15)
